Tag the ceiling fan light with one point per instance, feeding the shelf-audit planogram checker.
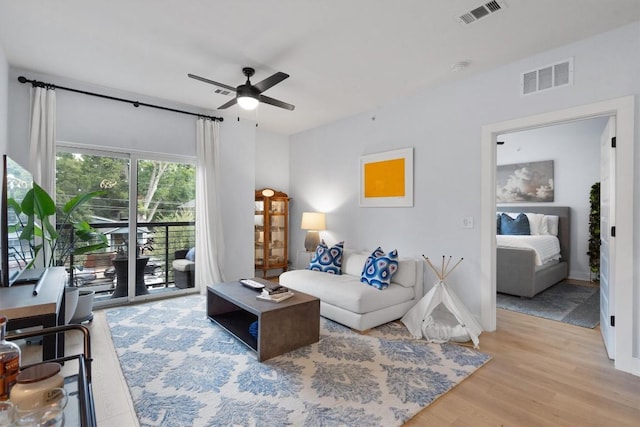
(247, 102)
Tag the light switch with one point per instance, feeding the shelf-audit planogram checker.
(467, 222)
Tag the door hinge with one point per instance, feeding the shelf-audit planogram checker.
(613, 231)
(613, 321)
(613, 142)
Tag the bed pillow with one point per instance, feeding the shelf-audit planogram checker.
(552, 224)
(515, 227)
(537, 224)
(327, 259)
(379, 268)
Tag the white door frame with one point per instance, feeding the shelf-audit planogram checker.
(624, 110)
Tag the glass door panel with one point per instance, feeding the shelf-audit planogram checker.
(80, 172)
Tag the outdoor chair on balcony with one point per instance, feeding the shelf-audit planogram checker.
(184, 267)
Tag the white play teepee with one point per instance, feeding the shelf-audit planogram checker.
(440, 316)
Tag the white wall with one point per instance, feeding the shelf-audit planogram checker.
(4, 101)
(444, 127)
(116, 125)
(575, 149)
(272, 161)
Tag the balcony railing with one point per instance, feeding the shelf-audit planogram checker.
(156, 240)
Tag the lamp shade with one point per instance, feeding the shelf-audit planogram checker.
(313, 221)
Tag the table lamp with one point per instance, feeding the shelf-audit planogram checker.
(313, 222)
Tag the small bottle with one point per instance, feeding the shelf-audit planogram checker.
(9, 361)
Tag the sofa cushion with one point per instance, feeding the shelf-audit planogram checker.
(406, 274)
(380, 268)
(327, 259)
(352, 262)
(183, 265)
(345, 291)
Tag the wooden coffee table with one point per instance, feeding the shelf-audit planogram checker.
(282, 326)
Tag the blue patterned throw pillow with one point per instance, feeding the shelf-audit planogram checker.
(515, 227)
(380, 268)
(327, 259)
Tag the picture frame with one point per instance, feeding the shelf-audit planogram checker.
(525, 182)
(386, 179)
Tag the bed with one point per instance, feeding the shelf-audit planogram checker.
(523, 272)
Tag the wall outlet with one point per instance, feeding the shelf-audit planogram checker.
(467, 222)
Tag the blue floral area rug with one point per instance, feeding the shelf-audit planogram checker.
(574, 304)
(184, 370)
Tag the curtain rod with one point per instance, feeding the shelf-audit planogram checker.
(136, 104)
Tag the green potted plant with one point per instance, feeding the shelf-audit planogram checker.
(594, 232)
(54, 244)
(71, 236)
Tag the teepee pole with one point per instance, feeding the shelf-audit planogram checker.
(453, 268)
(444, 272)
(432, 267)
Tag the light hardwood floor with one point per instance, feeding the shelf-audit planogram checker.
(543, 373)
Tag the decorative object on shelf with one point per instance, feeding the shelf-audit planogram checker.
(10, 359)
(271, 228)
(386, 179)
(313, 222)
(38, 386)
(594, 233)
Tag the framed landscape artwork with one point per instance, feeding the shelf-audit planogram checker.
(386, 179)
(525, 182)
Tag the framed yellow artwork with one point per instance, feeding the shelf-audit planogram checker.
(386, 179)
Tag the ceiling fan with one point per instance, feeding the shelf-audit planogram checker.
(249, 95)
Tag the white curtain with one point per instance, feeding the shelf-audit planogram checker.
(42, 138)
(209, 238)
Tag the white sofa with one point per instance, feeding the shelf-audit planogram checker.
(346, 300)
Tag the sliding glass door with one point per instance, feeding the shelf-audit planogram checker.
(146, 209)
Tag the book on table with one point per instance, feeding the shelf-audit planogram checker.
(274, 297)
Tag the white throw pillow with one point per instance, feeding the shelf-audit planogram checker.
(552, 224)
(537, 224)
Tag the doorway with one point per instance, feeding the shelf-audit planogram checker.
(626, 344)
(571, 153)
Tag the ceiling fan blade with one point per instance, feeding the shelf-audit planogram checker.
(222, 85)
(270, 81)
(276, 103)
(227, 104)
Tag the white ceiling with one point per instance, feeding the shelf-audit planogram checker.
(344, 57)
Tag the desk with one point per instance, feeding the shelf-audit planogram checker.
(24, 310)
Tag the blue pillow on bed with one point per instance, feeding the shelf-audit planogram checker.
(515, 227)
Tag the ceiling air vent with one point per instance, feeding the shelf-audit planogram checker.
(222, 92)
(481, 11)
(547, 77)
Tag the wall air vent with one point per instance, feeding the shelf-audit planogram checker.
(547, 77)
(481, 11)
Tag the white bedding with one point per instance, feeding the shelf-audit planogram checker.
(546, 248)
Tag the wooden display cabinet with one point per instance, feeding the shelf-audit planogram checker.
(271, 223)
